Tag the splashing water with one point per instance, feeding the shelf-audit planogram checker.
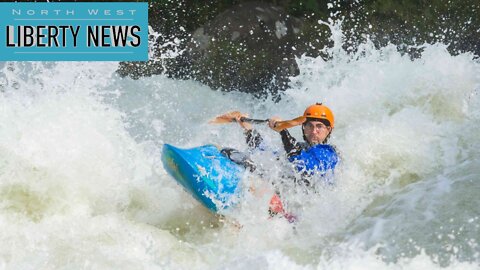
(82, 186)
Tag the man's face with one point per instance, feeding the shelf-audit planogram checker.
(316, 131)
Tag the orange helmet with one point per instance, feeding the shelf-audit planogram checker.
(320, 112)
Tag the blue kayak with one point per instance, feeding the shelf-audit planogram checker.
(205, 173)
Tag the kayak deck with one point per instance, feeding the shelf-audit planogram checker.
(205, 173)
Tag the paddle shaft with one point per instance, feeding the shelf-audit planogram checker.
(254, 121)
(280, 125)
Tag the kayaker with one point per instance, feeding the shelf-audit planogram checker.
(311, 157)
(314, 155)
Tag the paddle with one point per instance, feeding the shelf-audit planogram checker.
(253, 121)
(279, 126)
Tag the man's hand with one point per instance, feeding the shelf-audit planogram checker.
(272, 122)
(245, 125)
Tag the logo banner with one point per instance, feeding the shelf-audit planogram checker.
(93, 31)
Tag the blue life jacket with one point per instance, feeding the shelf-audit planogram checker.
(317, 159)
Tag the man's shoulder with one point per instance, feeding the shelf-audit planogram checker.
(303, 145)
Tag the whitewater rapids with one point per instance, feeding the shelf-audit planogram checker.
(82, 185)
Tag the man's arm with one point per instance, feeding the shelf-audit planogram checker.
(292, 147)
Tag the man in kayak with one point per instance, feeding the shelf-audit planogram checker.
(311, 157)
(314, 155)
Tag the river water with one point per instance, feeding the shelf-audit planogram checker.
(82, 185)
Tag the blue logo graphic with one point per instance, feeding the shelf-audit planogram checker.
(107, 31)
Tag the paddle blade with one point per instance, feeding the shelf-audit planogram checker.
(281, 125)
(225, 118)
